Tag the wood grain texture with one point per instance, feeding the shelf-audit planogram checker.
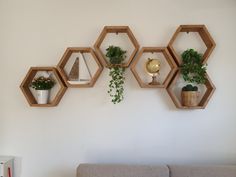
(28, 94)
(210, 88)
(117, 30)
(65, 58)
(169, 59)
(210, 45)
(204, 34)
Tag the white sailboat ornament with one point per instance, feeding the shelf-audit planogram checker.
(80, 72)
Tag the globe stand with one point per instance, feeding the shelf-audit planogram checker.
(154, 81)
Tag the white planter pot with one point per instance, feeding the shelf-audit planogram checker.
(43, 96)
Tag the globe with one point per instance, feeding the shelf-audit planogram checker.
(153, 66)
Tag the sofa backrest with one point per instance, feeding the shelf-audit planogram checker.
(102, 170)
(202, 171)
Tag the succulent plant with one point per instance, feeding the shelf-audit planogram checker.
(190, 87)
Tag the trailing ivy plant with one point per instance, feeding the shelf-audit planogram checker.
(192, 68)
(116, 56)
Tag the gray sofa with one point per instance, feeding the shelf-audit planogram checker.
(112, 170)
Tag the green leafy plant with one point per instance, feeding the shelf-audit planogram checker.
(192, 68)
(42, 83)
(116, 56)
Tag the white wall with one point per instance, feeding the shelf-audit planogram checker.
(145, 128)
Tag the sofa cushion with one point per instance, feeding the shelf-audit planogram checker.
(99, 170)
(202, 171)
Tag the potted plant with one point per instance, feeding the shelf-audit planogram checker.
(43, 86)
(194, 72)
(116, 56)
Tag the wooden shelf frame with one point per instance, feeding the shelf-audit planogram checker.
(204, 34)
(28, 79)
(65, 58)
(210, 89)
(116, 30)
(169, 59)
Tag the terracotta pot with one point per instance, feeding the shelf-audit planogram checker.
(189, 98)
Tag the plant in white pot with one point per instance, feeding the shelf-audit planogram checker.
(43, 86)
(193, 72)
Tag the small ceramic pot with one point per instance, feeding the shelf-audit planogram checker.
(43, 96)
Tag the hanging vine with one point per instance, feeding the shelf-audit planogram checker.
(116, 85)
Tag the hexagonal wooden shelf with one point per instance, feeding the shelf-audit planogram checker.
(169, 59)
(65, 58)
(28, 94)
(204, 34)
(115, 29)
(210, 88)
